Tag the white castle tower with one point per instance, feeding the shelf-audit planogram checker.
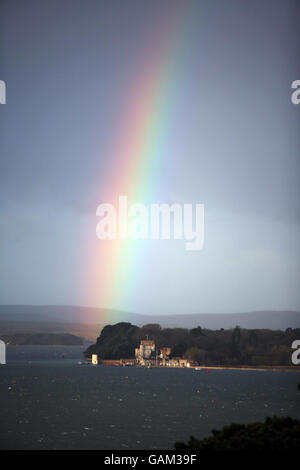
(95, 359)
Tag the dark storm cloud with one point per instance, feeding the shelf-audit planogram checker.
(235, 141)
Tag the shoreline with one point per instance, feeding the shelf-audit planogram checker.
(257, 368)
(261, 368)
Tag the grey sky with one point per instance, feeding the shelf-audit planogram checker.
(234, 146)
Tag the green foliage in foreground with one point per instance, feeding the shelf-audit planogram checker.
(207, 347)
(275, 434)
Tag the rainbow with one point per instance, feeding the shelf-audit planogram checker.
(139, 156)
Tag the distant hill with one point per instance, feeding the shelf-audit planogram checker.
(42, 339)
(55, 313)
(51, 316)
(273, 320)
(86, 331)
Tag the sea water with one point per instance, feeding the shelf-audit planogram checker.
(50, 401)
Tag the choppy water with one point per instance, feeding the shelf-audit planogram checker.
(48, 401)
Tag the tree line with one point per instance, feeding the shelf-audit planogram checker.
(235, 346)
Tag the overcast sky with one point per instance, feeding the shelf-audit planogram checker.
(233, 145)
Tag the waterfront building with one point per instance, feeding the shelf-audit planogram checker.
(145, 351)
(95, 359)
(165, 353)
